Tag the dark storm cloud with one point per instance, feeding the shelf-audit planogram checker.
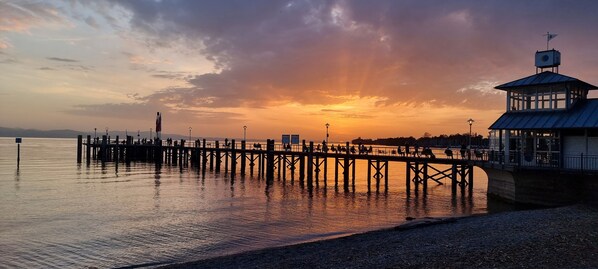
(318, 52)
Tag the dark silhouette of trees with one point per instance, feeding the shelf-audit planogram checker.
(454, 140)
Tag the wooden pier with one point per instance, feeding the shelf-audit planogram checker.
(273, 161)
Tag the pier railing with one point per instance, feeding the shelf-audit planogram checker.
(569, 162)
(338, 148)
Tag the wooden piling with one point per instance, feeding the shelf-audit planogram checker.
(346, 169)
(310, 165)
(408, 178)
(470, 181)
(217, 156)
(336, 172)
(454, 180)
(386, 176)
(233, 159)
(369, 175)
(425, 178)
(79, 148)
(243, 157)
(88, 155)
(270, 160)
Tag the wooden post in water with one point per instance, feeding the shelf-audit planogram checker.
(79, 148)
(335, 172)
(87, 156)
(226, 158)
(310, 165)
(369, 175)
(408, 178)
(115, 153)
(425, 178)
(159, 152)
(463, 166)
(204, 160)
(417, 177)
(346, 168)
(302, 164)
(454, 180)
(386, 176)
(270, 160)
(260, 168)
(292, 168)
(243, 157)
(317, 170)
(103, 148)
(284, 167)
(279, 166)
(353, 175)
(470, 168)
(377, 176)
(233, 159)
(325, 168)
(218, 159)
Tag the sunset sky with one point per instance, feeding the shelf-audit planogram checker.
(369, 68)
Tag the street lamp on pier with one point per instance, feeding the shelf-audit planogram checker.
(150, 134)
(327, 134)
(244, 132)
(189, 133)
(95, 133)
(470, 121)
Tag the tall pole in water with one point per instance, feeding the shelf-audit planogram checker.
(18, 141)
(244, 132)
(327, 135)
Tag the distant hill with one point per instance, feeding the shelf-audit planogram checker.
(17, 132)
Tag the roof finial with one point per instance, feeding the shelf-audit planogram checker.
(549, 36)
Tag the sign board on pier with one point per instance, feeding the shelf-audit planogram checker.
(286, 139)
(295, 139)
(18, 140)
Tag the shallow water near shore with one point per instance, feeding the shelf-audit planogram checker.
(56, 213)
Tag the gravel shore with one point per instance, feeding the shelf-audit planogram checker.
(565, 237)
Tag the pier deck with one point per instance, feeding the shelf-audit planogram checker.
(311, 162)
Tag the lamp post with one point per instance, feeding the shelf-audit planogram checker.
(470, 121)
(150, 133)
(95, 133)
(327, 134)
(244, 132)
(189, 134)
(106, 131)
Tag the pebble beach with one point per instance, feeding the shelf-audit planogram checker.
(564, 237)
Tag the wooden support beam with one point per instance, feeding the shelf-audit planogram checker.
(369, 175)
(79, 148)
(408, 178)
(243, 157)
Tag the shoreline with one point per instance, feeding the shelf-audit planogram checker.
(548, 238)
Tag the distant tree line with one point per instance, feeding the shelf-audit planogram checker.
(454, 140)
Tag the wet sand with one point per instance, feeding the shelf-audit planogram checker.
(565, 237)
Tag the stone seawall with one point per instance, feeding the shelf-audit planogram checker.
(541, 187)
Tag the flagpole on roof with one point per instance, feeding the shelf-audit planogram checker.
(549, 36)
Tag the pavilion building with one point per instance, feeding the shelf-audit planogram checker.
(546, 143)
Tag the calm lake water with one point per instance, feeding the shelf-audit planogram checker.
(56, 213)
